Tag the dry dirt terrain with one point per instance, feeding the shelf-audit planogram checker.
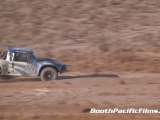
(89, 35)
(112, 47)
(72, 95)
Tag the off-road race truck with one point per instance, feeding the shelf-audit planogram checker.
(22, 62)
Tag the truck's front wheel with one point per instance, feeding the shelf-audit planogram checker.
(48, 74)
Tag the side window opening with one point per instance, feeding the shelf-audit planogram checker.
(29, 58)
(21, 57)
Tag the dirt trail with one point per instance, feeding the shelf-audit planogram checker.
(71, 96)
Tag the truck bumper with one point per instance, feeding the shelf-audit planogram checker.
(63, 69)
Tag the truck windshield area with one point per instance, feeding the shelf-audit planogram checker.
(33, 57)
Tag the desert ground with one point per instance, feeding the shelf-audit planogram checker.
(73, 95)
(110, 46)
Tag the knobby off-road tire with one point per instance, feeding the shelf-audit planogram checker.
(48, 74)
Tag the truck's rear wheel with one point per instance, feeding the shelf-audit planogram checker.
(48, 74)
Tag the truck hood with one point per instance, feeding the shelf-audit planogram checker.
(47, 60)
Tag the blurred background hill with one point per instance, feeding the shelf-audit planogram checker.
(89, 35)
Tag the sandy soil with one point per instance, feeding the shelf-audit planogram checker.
(117, 40)
(74, 94)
